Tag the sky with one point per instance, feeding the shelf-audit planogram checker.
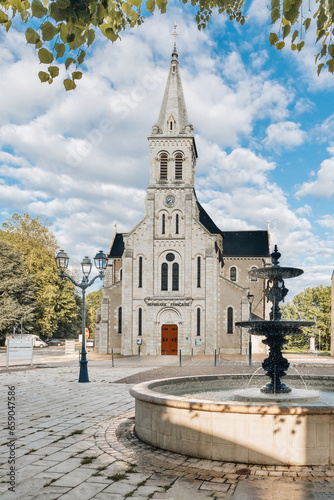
(264, 129)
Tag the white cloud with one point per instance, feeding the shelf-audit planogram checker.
(324, 183)
(228, 171)
(327, 221)
(284, 134)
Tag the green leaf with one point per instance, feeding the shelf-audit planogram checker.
(44, 77)
(273, 38)
(294, 36)
(25, 16)
(8, 25)
(3, 17)
(286, 30)
(60, 50)
(48, 31)
(63, 4)
(54, 71)
(76, 75)
(69, 61)
(136, 3)
(307, 23)
(320, 66)
(90, 37)
(293, 46)
(280, 45)
(38, 10)
(45, 56)
(300, 45)
(330, 65)
(69, 84)
(108, 31)
(331, 50)
(81, 57)
(39, 44)
(150, 5)
(32, 36)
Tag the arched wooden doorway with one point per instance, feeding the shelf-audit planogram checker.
(169, 337)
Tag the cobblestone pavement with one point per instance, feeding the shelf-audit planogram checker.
(77, 441)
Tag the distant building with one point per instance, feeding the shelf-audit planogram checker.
(176, 281)
(332, 318)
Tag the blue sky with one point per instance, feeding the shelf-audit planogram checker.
(264, 132)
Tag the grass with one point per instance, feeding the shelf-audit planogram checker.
(117, 477)
(131, 470)
(30, 451)
(75, 432)
(60, 439)
(102, 467)
(48, 484)
(87, 460)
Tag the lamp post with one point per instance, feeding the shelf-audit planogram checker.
(100, 261)
(250, 298)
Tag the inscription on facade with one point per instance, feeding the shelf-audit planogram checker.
(168, 303)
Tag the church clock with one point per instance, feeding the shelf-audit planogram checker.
(170, 200)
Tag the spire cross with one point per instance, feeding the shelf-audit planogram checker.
(175, 34)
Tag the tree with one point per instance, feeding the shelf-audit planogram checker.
(33, 238)
(17, 291)
(313, 304)
(93, 302)
(60, 30)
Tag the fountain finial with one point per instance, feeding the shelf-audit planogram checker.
(275, 256)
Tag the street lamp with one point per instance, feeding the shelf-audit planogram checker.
(100, 261)
(250, 298)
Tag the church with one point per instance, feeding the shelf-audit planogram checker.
(176, 281)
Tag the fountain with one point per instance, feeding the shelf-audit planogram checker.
(211, 417)
(275, 332)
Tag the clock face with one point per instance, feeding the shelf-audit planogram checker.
(170, 200)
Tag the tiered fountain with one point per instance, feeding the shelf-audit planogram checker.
(211, 417)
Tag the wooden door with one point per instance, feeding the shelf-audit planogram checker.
(169, 339)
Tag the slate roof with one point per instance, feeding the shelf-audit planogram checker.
(237, 243)
(117, 246)
(246, 243)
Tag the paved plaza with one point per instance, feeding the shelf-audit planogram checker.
(77, 441)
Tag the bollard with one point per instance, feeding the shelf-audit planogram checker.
(112, 357)
(192, 354)
(215, 357)
(180, 358)
(219, 354)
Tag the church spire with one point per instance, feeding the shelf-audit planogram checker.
(173, 117)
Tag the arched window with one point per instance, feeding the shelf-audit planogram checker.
(164, 276)
(140, 321)
(119, 320)
(175, 276)
(198, 313)
(253, 278)
(140, 273)
(163, 224)
(177, 224)
(163, 166)
(230, 320)
(178, 166)
(198, 272)
(233, 274)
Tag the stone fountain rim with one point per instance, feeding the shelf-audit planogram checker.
(144, 392)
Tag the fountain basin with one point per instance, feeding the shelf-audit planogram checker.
(269, 433)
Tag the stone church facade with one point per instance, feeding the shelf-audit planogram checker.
(177, 281)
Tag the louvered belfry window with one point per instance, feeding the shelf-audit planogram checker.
(178, 166)
(163, 166)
